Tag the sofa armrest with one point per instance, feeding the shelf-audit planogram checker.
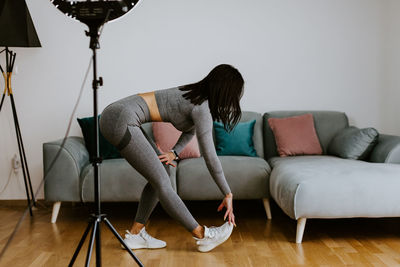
(62, 182)
(387, 150)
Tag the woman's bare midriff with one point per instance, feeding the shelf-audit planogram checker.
(151, 102)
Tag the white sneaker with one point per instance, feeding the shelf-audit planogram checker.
(142, 240)
(213, 236)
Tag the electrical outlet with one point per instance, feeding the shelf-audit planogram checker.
(15, 163)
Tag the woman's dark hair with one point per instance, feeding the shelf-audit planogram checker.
(223, 87)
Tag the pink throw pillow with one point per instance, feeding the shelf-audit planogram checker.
(295, 135)
(166, 136)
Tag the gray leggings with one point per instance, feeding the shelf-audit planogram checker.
(120, 123)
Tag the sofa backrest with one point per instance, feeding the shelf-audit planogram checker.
(246, 116)
(258, 130)
(327, 124)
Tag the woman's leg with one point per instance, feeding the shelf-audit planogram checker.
(148, 199)
(140, 154)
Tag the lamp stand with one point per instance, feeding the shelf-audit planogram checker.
(97, 217)
(10, 60)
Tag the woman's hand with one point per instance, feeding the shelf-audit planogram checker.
(168, 157)
(227, 202)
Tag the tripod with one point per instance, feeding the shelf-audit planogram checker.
(10, 60)
(97, 217)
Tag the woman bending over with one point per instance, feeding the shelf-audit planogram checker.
(191, 108)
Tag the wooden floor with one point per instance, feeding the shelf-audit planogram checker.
(254, 242)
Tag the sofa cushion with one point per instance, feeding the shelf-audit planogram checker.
(247, 177)
(258, 130)
(327, 124)
(332, 187)
(238, 142)
(119, 181)
(295, 135)
(106, 149)
(166, 136)
(353, 143)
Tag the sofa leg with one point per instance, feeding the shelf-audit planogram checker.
(56, 209)
(301, 224)
(267, 208)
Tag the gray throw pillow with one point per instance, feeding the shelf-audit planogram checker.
(353, 143)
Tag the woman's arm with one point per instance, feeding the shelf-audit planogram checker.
(203, 124)
(184, 138)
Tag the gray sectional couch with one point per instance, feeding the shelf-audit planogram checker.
(322, 186)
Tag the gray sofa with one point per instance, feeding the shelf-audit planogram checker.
(304, 187)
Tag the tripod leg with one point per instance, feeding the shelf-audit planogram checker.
(20, 155)
(23, 151)
(71, 263)
(91, 243)
(122, 242)
(2, 100)
(98, 245)
(26, 167)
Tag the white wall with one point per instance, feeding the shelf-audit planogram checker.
(308, 54)
(391, 71)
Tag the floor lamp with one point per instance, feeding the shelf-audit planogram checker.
(16, 30)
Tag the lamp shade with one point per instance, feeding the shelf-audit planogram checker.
(16, 26)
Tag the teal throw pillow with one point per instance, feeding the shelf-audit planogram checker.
(238, 142)
(353, 143)
(107, 150)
